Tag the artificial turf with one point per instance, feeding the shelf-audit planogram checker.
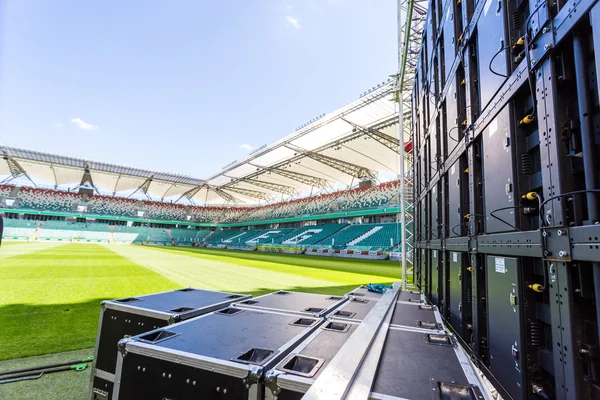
(50, 297)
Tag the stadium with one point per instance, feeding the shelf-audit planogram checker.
(434, 237)
(315, 212)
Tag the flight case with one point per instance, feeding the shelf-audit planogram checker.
(417, 365)
(292, 377)
(302, 304)
(218, 355)
(135, 315)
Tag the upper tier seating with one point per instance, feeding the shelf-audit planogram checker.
(167, 211)
(112, 206)
(50, 200)
(47, 200)
(5, 190)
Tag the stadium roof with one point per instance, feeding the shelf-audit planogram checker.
(357, 142)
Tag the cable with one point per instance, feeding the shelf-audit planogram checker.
(458, 118)
(454, 227)
(563, 195)
(456, 140)
(529, 80)
(492, 60)
(528, 61)
(501, 220)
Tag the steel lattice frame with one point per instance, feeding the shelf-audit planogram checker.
(411, 24)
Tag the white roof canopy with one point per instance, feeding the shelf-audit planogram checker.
(357, 142)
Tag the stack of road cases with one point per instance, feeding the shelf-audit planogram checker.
(218, 355)
(135, 315)
(303, 304)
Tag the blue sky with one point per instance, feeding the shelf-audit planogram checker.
(182, 86)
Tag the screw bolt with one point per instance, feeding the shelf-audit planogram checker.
(545, 30)
(560, 232)
(562, 253)
(547, 47)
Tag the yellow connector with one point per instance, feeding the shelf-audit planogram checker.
(467, 171)
(469, 268)
(536, 287)
(468, 216)
(462, 83)
(530, 196)
(458, 2)
(464, 123)
(526, 120)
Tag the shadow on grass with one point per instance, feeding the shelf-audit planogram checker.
(28, 330)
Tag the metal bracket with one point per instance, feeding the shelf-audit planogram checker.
(556, 238)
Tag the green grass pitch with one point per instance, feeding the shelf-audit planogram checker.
(51, 293)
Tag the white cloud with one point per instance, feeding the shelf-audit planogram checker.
(58, 124)
(81, 124)
(246, 146)
(293, 21)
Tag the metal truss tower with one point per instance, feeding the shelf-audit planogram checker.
(411, 24)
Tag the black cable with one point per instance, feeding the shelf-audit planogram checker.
(492, 60)
(528, 60)
(454, 227)
(563, 195)
(529, 80)
(456, 140)
(501, 220)
(458, 118)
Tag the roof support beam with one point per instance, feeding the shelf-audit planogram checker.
(144, 188)
(275, 187)
(296, 176)
(16, 171)
(348, 168)
(87, 177)
(303, 178)
(192, 192)
(388, 141)
(229, 198)
(247, 192)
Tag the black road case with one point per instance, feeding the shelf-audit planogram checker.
(414, 315)
(302, 304)
(135, 315)
(355, 309)
(218, 355)
(362, 291)
(417, 365)
(292, 377)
